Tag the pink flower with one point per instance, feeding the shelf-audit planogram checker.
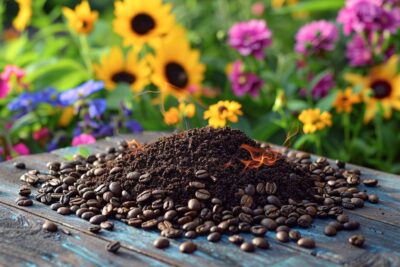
(244, 82)
(258, 8)
(41, 134)
(316, 37)
(250, 37)
(4, 88)
(21, 149)
(5, 79)
(83, 139)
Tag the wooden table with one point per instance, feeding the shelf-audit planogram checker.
(24, 243)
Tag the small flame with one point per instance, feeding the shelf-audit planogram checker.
(259, 157)
(135, 146)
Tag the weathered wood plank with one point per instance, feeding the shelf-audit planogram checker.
(23, 242)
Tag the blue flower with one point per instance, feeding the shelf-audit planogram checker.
(71, 96)
(97, 107)
(125, 110)
(25, 102)
(50, 96)
(134, 126)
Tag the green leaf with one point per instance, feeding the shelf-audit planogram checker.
(302, 140)
(326, 103)
(122, 93)
(311, 6)
(296, 104)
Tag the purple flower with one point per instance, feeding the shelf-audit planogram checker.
(243, 82)
(250, 37)
(125, 110)
(71, 96)
(134, 126)
(25, 102)
(322, 87)
(97, 107)
(367, 16)
(316, 37)
(104, 130)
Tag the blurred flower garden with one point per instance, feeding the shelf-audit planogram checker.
(320, 76)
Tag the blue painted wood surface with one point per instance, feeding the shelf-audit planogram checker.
(380, 223)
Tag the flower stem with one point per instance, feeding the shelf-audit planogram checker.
(85, 53)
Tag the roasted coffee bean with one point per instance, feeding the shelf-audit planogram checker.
(144, 178)
(115, 170)
(260, 242)
(358, 202)
(23, 201)
(50, 226)
(19, 165)
(214, 237)
(283, 228)
(274, 200)
(260, 188)
(357, 240)
(113, 246)
(133, 175)
(373, 198)
(115, 188)
(246, 201)
(250, 190)
(107, 225)
(306, 242)
(171, 233)
(94, 229)
(304, 221)
(247, 247)
(161, 243)
(99, 172)
(282, 236)
(25, 190)
(87, 215)
(191, 234)
(202, 194)
(370, 182)
(294, 235)
(63, 211)
(353, 179)
(97, 219)
(188, 247)
(194, 204)
(197, 185)
(202, 174)
(150, 224)
(337, 225)
(330, 230)
(144, 196)
(169, 215)
(258, 230)
(269, 224)
(236, 239)
(351, 225)
(342, 218)
(270, 188)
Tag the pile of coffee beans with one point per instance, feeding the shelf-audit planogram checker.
(204, 182)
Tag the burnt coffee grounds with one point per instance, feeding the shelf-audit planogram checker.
(171, 164)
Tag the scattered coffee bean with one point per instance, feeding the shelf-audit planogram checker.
(113, 246)
(351, 225)
(161, 243)
(373, 198)
(63, 211)
(370, 182)
(107, 225)
(50, 226)
(236, 239)
(282, 236)
(19, 165)
(188, 247)
(191, 234)
(357, 240)
(294, 235)
(247, 247)
(214, 237)
(97, 219)
(306, 242)
(260, 242)
(330, 230)
(94, 229)
(25, 190)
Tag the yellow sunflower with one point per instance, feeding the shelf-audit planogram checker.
(115, 69)
(82, 19)
(140, 22)
(380, 86)
(24, 14)
(176, 68)
(218, 114)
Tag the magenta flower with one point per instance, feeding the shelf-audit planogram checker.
(83, 139)
(4, 88)
(5, 79)
(41, 134)
(316, 37)
(250, 37)
(367, 16)
(244, 82)
(21, 149)
(323, 86)
(258, 8)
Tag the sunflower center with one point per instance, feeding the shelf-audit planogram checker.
(142, 23)
(123, 77)
(176, 75)
(221, 109)
(381, 89)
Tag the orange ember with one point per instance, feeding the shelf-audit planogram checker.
(260, 157)
(135, 146)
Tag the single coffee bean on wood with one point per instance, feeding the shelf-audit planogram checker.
(161, 243)
(357, 240)
(260, 242)
(247, 247)
(188, 247)
(306, 242)
(113, 246)
(50, 226)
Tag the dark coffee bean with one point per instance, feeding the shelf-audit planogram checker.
(353, 179)
(19, 165)
(50, 226)
(171, 233)
(340, 164)
(188, 247)
(107, 225)
(55, 206)
(202, 194)
(294, 235)
(304, 221)
(99, 171)
(269, 223)
(373, 198)
(25, 190)
(260, 242)
(135, 222)
(337, 225)
(87, 215)
(214, 237)
(270, 188)
(69, 180)
(169, 215)
(113, 246)
(191, 234)
(370, 182)
(115, 188)
(342, 218)
(161, 243)
(202, 174)
(133, 175)
(250, 190)
(150, 224)
(246, 201)
(115, 170)
(357, 240)
(274, 200)
(306, 242)
(358, 202)
(197, 185)
(89, 195)
(258, 230)
(282, 236)
(351, 225)
(97, 219)
(144, 196)
(63, 211)
(260, 188)
(194, 204)
(236, 239)
(283, 228)
(247, 247)
(94, 229)
(330, 230)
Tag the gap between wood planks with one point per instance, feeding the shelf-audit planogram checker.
(164, 260)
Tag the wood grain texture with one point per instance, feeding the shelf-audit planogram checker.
(380, 224)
